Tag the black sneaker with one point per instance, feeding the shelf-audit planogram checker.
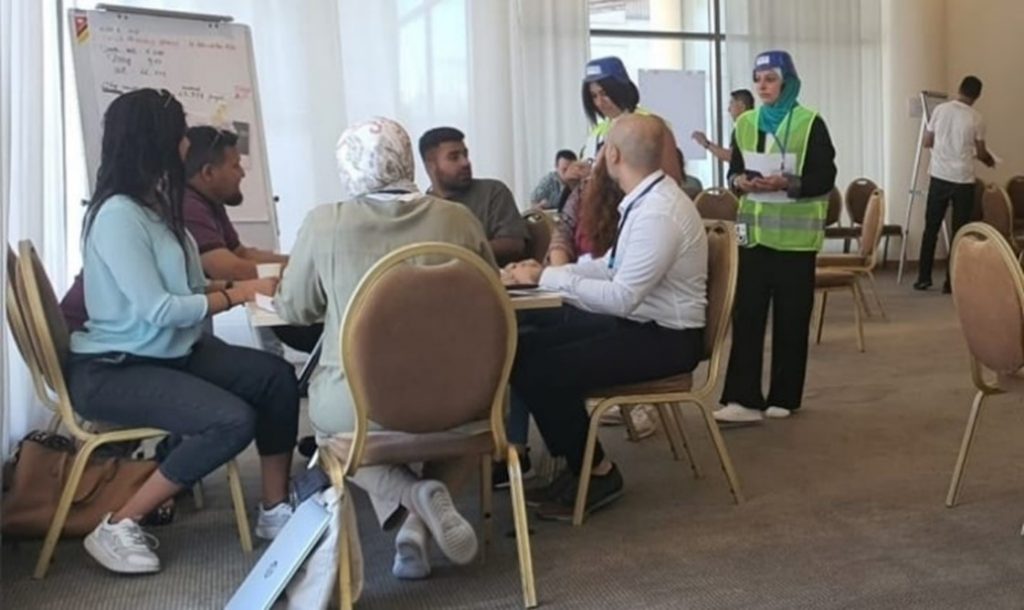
(947, 288)
(922, 285)
(499, 472)
(553, 490)
(603, 491)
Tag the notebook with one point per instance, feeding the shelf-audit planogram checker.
(282, 558)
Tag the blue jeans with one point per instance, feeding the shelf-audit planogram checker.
(218, 398)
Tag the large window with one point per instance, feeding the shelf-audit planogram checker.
(668, 35)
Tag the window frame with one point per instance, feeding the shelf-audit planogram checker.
(717, 39)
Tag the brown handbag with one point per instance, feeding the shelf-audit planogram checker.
(41, 469)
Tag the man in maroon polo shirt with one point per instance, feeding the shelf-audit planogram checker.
(214, 172)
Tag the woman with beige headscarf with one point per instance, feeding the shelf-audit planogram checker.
(336, 246)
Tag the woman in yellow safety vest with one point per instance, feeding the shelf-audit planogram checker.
(782, 167)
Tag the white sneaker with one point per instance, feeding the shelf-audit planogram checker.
(737, 413)
(642, 417)
(123, 547)
(411, 558)
(271, 522)
(777, 413)
(452, 533)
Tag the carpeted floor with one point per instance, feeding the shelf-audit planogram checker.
(844, 508)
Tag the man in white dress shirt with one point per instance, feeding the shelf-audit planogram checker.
(634, 314)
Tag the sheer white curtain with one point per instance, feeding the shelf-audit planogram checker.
(31, 176)
(507, 73)
(837, 48)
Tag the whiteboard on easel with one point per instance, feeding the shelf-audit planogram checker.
(205, 61)
(679, 97)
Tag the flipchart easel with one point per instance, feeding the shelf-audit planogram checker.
(928, 100)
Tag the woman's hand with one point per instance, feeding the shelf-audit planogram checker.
(745, 184)
(771, 183)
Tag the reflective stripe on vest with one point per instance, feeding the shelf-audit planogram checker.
(794, 225)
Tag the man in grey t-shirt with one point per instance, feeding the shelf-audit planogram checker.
(446, 159)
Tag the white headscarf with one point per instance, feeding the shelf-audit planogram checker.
(375, 155)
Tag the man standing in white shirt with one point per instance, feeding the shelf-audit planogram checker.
(956, 135)
(635, 314)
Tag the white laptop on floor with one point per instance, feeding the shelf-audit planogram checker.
(282, 558)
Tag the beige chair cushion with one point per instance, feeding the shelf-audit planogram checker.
(721, 253)
(52, 314)
(841, 260)
(857, 195)
(400, 448)
(1015, 190)
(682, 382)
(428, 345)
(717, 204)
(540, 235)
(997, 211)
(988, 303)
(833, 278)
(835, 207)
(872, 224)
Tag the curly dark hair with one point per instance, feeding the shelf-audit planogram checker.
(599, 209)
(142, 131)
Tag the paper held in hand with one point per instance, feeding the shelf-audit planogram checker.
(770, 164)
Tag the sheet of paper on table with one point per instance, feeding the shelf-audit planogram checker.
(265, 303)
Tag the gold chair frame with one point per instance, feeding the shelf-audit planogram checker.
(339, 469)
(670, 403)
(31, 288)
(985, 388)
(716, 194)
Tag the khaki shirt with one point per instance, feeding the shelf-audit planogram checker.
(336, 246)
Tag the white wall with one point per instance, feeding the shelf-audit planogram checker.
(987, 39)
(914, 59)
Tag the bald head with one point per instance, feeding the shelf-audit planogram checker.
(639, 140)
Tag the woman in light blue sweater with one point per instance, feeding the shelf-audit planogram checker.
(143, 359)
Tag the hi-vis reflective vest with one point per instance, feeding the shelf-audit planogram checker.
(600, 131)
(792, 225)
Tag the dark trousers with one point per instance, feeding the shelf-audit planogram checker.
(299, 338)
(783, 281)
(218, 398)
(940, 193)
(565, 352)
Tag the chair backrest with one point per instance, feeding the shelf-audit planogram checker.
(723, 263)
(997, 211)
(717, 203)
(1015, 189)
(835, 207)
(857, 194)
(48, 330)
(436, 318)
(871, 226)
(19, 329)
(541, 228)
(988, 291)
(979, 193)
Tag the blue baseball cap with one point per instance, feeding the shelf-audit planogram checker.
(776, 60)
(606, 67)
